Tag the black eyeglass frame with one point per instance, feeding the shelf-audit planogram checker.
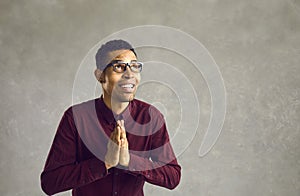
(111, 64)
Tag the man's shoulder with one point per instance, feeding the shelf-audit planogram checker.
(140, 103)
(83, 107)
(143, 106)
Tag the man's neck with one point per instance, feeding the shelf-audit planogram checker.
(116, 106)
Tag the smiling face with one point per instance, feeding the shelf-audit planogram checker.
(120, 87)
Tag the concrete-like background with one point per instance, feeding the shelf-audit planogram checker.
(256, 45)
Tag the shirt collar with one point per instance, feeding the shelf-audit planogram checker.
(108, 115)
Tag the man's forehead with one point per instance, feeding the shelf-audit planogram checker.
(120, 54)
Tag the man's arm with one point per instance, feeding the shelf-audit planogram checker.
(62, 171)
(162, 169)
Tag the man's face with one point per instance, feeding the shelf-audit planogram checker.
(120, 87)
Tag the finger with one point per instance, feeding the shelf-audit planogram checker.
(122, 142)
(118, 133)
(118, 123)
(113, 137)
(122, 124)
(123, 134)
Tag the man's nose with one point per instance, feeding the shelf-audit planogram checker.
(128, 73)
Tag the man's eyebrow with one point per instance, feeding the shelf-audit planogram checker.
(116, 60)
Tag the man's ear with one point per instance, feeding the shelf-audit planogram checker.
(100, 76)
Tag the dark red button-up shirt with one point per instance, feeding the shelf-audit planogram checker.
(76, 157)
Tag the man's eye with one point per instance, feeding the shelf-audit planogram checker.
(119, 66)
(134, 66)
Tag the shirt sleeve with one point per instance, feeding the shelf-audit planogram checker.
(162, 168)
(62, 171)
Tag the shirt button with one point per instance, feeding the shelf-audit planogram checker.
(116, 173)
(116, 192)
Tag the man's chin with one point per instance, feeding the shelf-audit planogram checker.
(126, 98)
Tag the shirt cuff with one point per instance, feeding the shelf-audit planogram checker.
(97, 168)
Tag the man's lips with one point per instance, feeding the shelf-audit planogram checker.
(127, 87)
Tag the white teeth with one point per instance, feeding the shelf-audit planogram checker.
(127, 86)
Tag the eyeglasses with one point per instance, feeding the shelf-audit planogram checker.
(120, 67)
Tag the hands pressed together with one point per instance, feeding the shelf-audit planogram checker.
(117, 147)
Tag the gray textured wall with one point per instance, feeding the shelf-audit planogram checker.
(255, 43)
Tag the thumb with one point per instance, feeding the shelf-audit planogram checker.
(122, 141)
(123, 133)
(118, 133)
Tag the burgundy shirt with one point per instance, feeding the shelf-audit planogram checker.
(75, 160)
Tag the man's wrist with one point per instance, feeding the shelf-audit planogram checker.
(108, 166)
(126, 162)
(125, 165)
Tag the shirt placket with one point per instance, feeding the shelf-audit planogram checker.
(116, 178)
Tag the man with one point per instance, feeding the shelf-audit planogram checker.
(113, 144)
